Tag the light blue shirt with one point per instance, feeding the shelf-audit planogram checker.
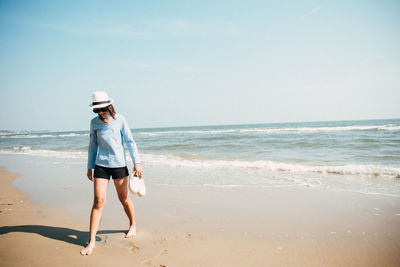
(106, 147)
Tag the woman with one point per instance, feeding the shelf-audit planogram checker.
(107, 157)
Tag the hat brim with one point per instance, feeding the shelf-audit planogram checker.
(91, 106)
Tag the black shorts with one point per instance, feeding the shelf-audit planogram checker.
(104, 172)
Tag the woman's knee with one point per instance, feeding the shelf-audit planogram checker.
(99, 202)
(125, 200)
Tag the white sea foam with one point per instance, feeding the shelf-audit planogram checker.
(21, 148)
(258, 166)
(72, 135)
(26, 150)
(13, 132)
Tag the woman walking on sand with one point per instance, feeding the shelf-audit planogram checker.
(107, 157)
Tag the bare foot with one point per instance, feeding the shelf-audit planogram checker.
(88, 249)
(131, 232)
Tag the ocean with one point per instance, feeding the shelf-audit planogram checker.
(357, 156)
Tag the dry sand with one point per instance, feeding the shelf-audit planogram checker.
(205, 226)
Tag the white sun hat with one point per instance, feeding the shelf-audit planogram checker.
(100, 100)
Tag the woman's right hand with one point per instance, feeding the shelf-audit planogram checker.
(90, 174)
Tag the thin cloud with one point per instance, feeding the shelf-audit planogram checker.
(311, 12)
(162, 65)
(113, 30)
(187, 28)
(143, 30)
(124, 30)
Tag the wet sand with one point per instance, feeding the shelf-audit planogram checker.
(209, 226)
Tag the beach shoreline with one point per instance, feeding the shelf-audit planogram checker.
(209, 226)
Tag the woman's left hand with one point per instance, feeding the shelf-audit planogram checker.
(137, 170)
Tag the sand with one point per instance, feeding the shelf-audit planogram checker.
(209, 226)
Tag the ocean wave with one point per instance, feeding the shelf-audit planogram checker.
(13, 132)
(260, 167)
(325, 129)
(72, 135)
(388, 127)
(29, 150)
(239, 130)
(189, 156)
(263, 167)
(42, 135)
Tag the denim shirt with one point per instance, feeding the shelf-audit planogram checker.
(106, 147)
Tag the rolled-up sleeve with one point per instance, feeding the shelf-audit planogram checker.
(92, 150)
(126, 133)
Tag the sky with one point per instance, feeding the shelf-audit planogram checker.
(187, 63)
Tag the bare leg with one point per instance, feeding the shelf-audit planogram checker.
(121, 185)
(100, 192)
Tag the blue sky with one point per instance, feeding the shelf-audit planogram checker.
(181, 63)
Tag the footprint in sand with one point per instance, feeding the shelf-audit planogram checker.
(161, 241)
(146, 262)
(8, 204)
(165, 252)
(103, 241)
(134, 248)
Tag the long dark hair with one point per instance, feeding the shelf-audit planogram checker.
(111, 110)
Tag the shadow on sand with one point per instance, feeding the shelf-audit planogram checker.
(72, 236)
